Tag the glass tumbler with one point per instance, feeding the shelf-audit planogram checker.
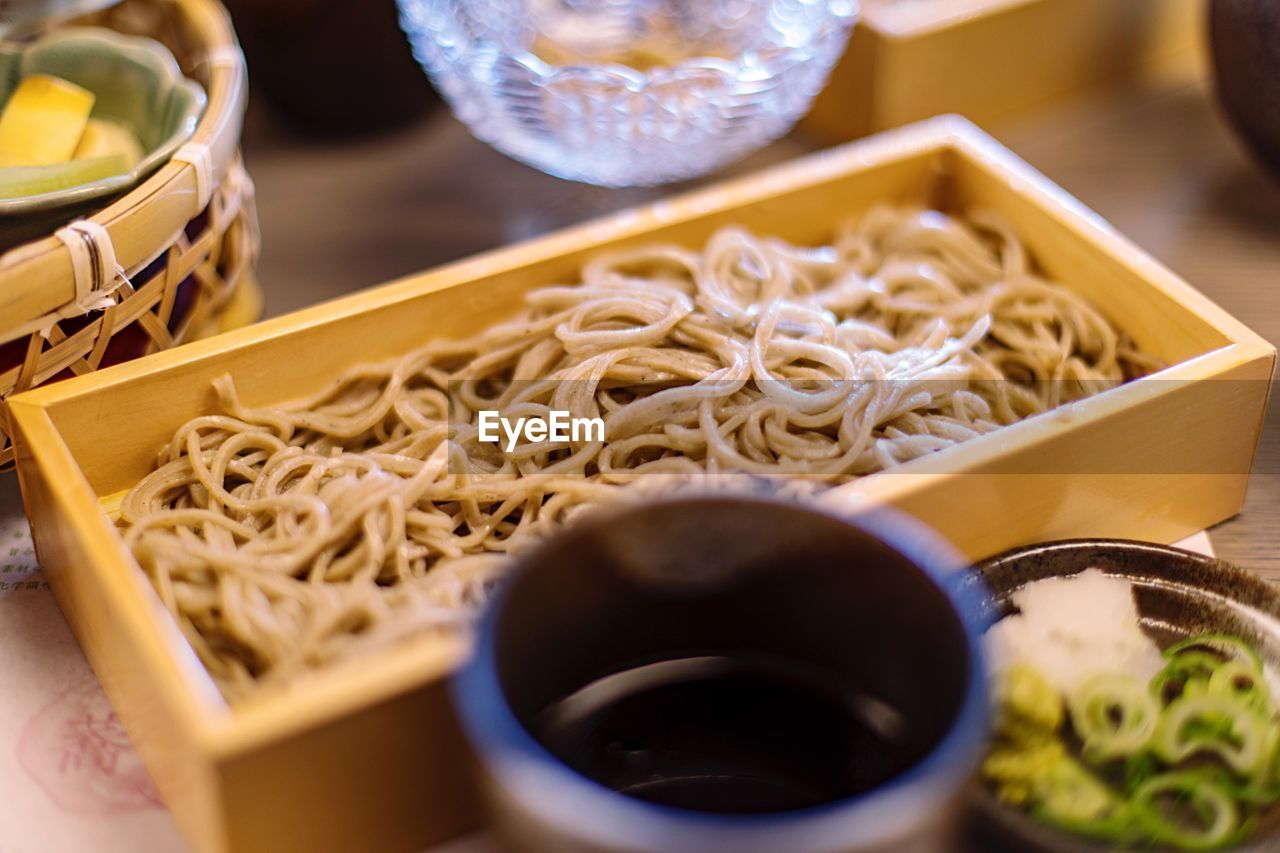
(628, 92)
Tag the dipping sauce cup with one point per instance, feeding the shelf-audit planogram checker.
(727, 673)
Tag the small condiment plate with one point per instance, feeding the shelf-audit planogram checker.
(137, 84)
(1179, 594)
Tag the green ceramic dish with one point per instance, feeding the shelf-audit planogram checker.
(137, 83)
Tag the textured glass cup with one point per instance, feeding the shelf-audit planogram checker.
(628, 92)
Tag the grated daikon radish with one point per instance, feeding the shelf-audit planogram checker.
(1073, 627)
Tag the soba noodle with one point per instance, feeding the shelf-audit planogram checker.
(286, 537)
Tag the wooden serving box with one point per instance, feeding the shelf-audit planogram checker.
(985, 59)
(366, 755)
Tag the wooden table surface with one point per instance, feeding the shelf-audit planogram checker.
(1156, 160)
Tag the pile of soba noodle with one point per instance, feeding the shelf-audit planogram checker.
(287, 537)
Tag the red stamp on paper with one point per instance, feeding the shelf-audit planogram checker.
(77, 751)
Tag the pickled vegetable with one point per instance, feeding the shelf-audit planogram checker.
(43, 121)
(21, 181)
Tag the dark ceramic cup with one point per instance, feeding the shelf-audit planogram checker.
(1179, 594)
(878, 606)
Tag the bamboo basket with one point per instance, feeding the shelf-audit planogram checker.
(186, 238)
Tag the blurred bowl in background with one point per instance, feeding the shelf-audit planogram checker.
(624, 92)
(332, 68)
(1245, 37)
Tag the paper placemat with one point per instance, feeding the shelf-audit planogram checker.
(69, 778)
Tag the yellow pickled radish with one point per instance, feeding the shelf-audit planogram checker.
(43, 121)
(105, 139)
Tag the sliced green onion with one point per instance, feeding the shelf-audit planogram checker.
(1222, 725)
(1263, 789)
(1242, 682)
(1213, 818)
(1224, 646)
(1138, 769)
(1114, 714)
(1188, 672)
